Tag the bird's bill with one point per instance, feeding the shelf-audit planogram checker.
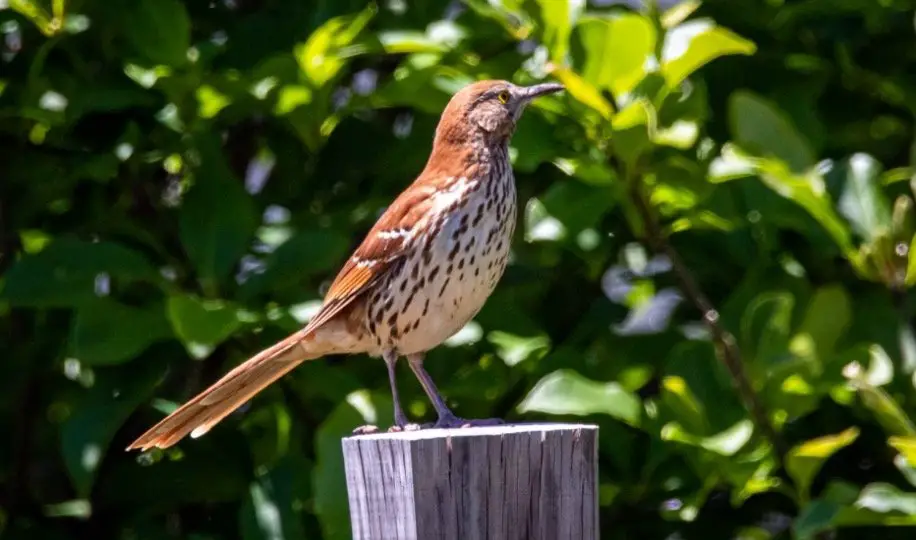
(531, 92)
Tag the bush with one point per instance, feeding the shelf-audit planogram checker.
(712, 259)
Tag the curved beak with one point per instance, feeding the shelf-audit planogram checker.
(530, 92)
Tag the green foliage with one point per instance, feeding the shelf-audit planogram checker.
(180, 181)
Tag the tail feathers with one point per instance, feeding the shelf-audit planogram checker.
(205, 410)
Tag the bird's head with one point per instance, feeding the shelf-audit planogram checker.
(489, 108)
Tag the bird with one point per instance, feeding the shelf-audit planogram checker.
(422, 272)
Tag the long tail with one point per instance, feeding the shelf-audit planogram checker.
(205, 410)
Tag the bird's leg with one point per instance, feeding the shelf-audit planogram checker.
(447, 418)
(400, 419)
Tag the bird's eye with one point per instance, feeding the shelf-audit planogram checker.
(503, 97)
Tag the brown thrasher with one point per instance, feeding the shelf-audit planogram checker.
(422, 272)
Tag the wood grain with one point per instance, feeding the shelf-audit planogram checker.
(525, 481)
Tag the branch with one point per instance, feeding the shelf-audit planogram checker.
(724, 341)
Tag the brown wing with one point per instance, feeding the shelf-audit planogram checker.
(384, 244)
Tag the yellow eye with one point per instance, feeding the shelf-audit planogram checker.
(503, 97)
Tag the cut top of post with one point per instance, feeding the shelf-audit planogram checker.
(476, 431)
(508, 482)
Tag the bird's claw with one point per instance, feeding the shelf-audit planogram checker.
(368, 429)
(451, 422)
(405, 427)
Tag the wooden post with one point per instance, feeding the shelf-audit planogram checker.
(528, 481)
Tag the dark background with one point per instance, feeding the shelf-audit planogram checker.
(180, 181)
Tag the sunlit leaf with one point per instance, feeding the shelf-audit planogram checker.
(884, 498)
(887, 412)
(809, 192)
(515, 349)
(634, 129)
(759, 126)
(629, 39)
(211, 101)
(860, 198)
(684, 405)
(805, 460)
(693, 44)
(202, 324)
(906, 446)
(322, 56)
(583, 91)
(556, 18)
(725, 443)
(677, 13)
(566, 392)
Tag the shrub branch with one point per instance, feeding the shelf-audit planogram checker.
(724, 341)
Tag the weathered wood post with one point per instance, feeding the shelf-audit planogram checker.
(529, 481)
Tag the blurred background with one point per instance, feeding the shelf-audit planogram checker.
(180, 181)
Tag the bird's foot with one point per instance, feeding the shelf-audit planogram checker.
(370, 429)
(405, 427)
(452, 421)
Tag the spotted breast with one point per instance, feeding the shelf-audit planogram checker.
(461, 252)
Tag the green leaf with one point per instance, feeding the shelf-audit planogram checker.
(634, 129)
(99, 413)
(885, 498)
(859, 196)
(907, 469)
(678, 12)
(629, 39)
(683, 405)
(556, 19)
(304, 255)
(108, 332)
(887, 412)
(566, 392)
(827, 318)
(805, 460)
(906, 446)
(534, 143)
(515, 349)
(766, 327)
(814, 518)
(807, 191)
(202, 324)
(911, 263)
(731, 164)
(693, 44)
(329, 479)
(583, 92)
(724, 443)
(576, 205)
(323, 55)
(158, 30)
(64, 273)
(271, 510)
(759, 126)
(217, 219)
